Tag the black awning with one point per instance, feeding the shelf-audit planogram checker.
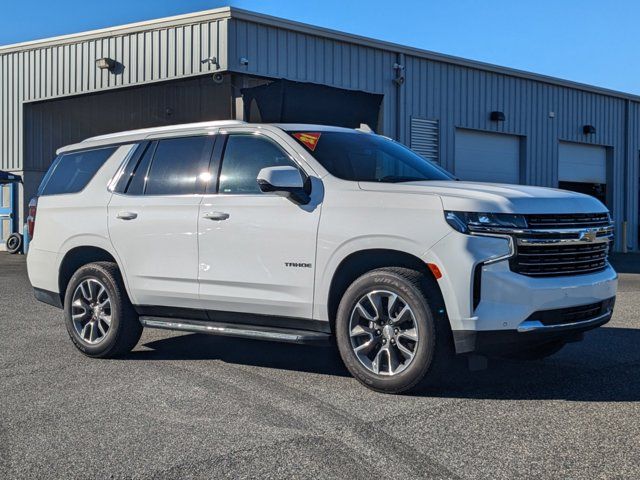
(7, 177)
(284, 101)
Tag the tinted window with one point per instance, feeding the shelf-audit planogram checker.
(180, 166)
(244, 157)
(369, 158)
(129, 169)
(71, 172)
(139, 176)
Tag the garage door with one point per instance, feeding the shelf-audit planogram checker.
(582, 163)
(487, 157)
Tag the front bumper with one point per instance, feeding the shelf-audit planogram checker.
(499, 313)
(540, 328)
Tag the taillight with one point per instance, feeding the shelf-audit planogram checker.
(31, 219)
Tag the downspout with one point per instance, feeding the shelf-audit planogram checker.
(399, 80)
(626, 191)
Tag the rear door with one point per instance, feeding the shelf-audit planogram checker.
(153, 220)
(257, 250)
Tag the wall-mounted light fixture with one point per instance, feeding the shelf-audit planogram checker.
(497, 116)
(211, 61)
(589, 130)
(106, 63)
(244, 61)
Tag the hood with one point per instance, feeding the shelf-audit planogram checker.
(495, 197)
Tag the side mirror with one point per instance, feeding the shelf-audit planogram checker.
(285, 181)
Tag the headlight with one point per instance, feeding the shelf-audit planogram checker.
(467, 222)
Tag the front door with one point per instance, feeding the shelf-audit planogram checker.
(153, 222)
(257, 250)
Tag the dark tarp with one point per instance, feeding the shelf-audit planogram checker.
(284, 101)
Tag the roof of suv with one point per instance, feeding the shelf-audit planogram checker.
(141, 134)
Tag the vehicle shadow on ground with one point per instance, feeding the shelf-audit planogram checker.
(605, 367)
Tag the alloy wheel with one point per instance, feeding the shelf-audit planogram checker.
(383, 332)
(91, 311)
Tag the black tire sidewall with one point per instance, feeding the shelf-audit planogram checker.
(109, 343)
(387, 280)
(18, 246)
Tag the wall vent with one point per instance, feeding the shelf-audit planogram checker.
(425, 136)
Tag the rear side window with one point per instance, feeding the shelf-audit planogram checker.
(139, 171)
(71, 172)
(128, 170)
(176, 166)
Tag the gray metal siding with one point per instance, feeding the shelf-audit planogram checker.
(458, 97)
(632, 176)
(153, 55)
(462, 97)
(278, 53)
(456, 92)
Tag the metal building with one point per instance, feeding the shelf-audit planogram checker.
(480, 121)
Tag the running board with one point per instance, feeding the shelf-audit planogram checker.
(237, 330)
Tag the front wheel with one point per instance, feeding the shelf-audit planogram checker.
(391, 329)
(98, 314)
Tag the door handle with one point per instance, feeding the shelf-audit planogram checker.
(216, 216)
(127, 215)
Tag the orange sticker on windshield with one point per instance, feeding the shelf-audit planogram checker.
(309, 140)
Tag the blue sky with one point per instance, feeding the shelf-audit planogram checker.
(589, 41)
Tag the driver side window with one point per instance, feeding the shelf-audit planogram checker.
(244, 156)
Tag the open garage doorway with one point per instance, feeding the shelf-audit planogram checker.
(583, 168)
(55, 123)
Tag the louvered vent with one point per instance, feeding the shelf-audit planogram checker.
(425, 138)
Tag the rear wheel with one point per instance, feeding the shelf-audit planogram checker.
(98, 314)
(391, 329)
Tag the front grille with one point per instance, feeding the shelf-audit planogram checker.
(558, 245)
(581, 313)
(574, 220)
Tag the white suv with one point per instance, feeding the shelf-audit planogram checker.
(303, 233)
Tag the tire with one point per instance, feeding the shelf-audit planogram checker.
(90, 285)
(537, 353)
(14, 243)
(393, 371)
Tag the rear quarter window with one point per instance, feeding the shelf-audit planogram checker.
(71, 172)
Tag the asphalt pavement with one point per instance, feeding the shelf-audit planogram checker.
(190, 406)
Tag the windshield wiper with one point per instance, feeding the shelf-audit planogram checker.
(399, 179)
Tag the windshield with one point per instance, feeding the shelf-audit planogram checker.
(364, 157)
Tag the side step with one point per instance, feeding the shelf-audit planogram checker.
(255, 332)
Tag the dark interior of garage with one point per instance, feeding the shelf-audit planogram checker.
(52, 124)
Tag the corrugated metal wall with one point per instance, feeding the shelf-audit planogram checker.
(456, 94)
(544, 114)
(155, 54)
(278, 53)
(458, 97)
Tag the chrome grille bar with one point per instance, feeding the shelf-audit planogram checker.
(555, 245)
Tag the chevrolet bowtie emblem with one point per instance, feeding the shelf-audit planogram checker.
(589, 235)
